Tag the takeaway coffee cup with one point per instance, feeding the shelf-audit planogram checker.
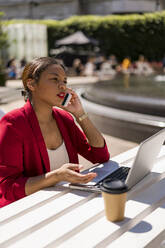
(114, 195)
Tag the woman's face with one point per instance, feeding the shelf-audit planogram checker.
(51, 88)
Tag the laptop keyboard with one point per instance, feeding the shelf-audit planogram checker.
(120, 174)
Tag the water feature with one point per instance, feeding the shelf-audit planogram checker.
(128, 107)
(142, 94)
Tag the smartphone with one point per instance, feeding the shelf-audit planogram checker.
(66, 100)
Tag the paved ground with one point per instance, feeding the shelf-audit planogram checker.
(115, 145)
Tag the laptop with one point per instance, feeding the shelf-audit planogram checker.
(141, 167)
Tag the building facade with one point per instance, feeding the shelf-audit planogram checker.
(61, 9)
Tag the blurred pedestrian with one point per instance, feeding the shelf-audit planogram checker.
(89, 69)
(113, 61)
(11, 69)
(78, 67)
(126, 65)
(142, 67)
(106, 69)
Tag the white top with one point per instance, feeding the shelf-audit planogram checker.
(89, 69)
(58, 157)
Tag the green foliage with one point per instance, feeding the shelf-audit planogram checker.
(3, 35)
(3, 45)
(122, 35)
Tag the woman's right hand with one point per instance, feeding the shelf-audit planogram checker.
(68, 172)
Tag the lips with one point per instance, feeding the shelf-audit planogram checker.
(61, 95)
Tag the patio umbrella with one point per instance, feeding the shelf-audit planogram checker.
(77, 38)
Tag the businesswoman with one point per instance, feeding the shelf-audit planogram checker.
(40, 142)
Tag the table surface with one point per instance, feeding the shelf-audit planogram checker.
(60, 217)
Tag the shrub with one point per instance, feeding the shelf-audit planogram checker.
(122, 35)
(3, 45)
(3, 35)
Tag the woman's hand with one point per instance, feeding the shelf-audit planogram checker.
(74, 107)
(68, 172)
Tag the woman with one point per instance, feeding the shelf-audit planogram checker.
(39, 144)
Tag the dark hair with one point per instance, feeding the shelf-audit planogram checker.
(34, 69)
(10, 62)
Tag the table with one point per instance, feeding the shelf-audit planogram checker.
(60, 217)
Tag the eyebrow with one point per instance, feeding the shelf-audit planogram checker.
(53, 73)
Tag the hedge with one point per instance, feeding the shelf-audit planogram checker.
(3, 35)
(122, 35)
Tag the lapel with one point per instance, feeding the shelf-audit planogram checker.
(32, 118)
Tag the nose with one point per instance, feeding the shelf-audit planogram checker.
(62, 86)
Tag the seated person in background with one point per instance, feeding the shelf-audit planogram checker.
(89, 69)
(98, 62)
(126, 65)
(142, 67)
(11, 69)
(113, 61)
(106, 69)
(78, 67)
(39, 143)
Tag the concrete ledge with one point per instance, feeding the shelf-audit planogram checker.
(123, 115)
(122, 124)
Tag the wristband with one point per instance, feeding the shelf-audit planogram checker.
(82, 117)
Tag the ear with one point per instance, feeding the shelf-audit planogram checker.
(31, 84)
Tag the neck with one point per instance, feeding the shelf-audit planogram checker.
(43, 112)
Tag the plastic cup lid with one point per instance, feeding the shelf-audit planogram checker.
(113, 187)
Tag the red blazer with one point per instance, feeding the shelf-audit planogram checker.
(23, 152)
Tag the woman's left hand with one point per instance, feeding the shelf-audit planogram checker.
(74, 106)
